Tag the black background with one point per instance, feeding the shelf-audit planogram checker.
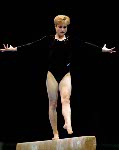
(24, 102)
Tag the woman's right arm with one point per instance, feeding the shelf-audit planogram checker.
(33, 44)
(6, 47)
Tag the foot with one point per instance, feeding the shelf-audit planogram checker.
(56, 137)
(69, 129)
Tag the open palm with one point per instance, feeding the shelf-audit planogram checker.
(8, 48)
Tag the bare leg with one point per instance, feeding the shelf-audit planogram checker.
(52, 90)
(53, 119)
(65, 93)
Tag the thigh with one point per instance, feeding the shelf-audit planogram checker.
(65, 85)
(52, 86)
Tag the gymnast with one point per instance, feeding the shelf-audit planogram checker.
(58, 80)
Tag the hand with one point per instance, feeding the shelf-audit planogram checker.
(10, 48)
(109, 50)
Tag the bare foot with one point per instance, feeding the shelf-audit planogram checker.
(69, 130)
(56, 137)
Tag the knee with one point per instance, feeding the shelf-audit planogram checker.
(65, 98)
(53, 104)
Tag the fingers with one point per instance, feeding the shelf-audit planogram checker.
(4, 45)
(112, 51)
(2, 49)
(113, 48)
(104, 45)
(7, 46)
(11, 46)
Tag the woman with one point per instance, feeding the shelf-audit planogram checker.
(58, 77)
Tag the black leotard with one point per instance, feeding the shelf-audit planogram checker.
(59, 57)
(59, 53)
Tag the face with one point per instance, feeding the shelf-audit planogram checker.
(61, 29)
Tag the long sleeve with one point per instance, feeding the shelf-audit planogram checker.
(93, 47)
(85, 54)
(84, 46)
(36, 49)
(33, 45)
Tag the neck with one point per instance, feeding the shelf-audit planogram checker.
(60, 38)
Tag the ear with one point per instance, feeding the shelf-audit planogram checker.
(55, 26)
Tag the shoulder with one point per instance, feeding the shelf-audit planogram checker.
(76, 41)
(48, 38)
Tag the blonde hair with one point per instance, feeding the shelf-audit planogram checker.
(60, 19)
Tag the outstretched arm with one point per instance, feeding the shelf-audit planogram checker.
(32, 44)
(104, 48)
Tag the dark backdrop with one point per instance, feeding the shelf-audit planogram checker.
(24, 102)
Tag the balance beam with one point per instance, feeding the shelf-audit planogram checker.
(74, 143)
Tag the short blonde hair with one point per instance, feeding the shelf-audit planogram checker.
(61, 19)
